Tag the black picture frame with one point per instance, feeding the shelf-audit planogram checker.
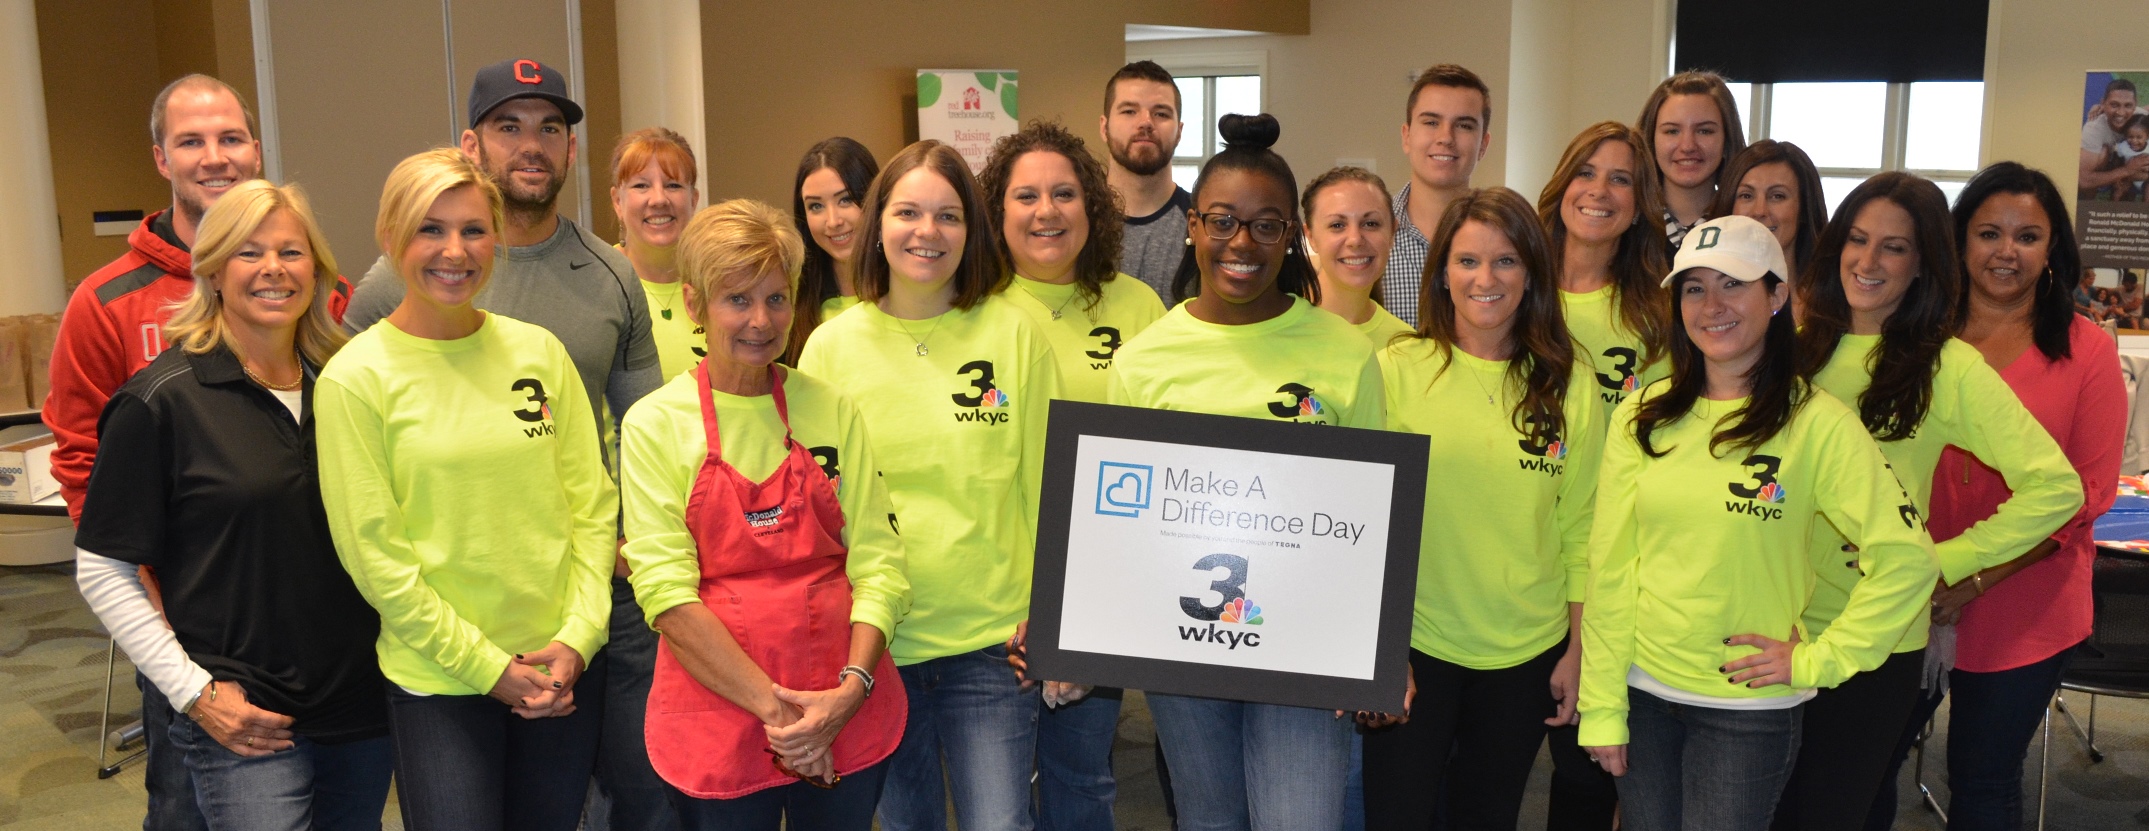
(1071, 420)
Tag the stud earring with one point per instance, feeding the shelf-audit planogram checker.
(1189, 240)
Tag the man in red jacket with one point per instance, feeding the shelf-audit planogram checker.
(204, 144)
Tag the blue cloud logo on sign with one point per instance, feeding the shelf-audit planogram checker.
(1123, 489)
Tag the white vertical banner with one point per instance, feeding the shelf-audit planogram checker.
(968, 109)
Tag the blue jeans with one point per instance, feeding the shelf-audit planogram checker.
(1241, 766)
(630, 796)
(1075, 787)
(164, 768)
(1354, 786)
(468, 763)
(968, 712)
(330, 787)
(796, 807)
(1699, 768)
(1990, 724)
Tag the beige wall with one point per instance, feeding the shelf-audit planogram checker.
(1554, 66)
(2035, 59)
(103, 64)
(784, 76)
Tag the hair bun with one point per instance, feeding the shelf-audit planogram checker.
(1249, 132)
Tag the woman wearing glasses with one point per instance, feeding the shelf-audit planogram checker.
(1250, 344)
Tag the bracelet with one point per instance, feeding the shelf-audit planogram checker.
(1977, 581)
(864, 677)
(209, 691)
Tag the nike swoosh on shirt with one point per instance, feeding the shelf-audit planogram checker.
(574, 266)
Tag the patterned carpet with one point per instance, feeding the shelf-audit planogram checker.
(52, 670)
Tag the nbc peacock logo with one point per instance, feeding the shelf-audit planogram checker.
(1556, 450)
(1771, 492)
(1311, 406)
(1240, 610)
(1628, 385)
(994, 397)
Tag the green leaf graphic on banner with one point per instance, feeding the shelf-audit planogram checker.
(928, 90)
(1007, 99)
(988, 80)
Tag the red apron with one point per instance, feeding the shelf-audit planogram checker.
(772, 569)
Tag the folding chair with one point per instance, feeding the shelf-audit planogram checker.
(2115, 659)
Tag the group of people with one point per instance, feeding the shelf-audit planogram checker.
(348, 533)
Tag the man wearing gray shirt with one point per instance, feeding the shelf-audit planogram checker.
(559, 275)
(1141, 128)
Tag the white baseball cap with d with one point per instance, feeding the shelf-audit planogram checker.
(1735, 245)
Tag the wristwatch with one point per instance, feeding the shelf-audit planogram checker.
(864, 677)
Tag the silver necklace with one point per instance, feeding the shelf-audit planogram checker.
(922, 351)
(1481, 387)
(1041, 301)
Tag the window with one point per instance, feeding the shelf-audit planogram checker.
(1853, 130)
(1204, 98)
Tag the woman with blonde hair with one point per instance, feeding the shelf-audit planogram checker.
(776, 580)
(468, 500)
(653, 194)
(206, 474)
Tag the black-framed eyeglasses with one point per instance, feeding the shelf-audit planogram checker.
(1226, 226)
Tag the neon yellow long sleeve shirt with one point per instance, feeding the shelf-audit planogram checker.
(959, 434)
(1505, 544)
(1606, 349)
(663, 445)
(467, 499)
(1086, 339)
(1974, 409)
(1688, 549)
(1305, 365)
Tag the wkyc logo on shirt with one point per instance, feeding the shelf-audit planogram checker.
(1304, 407)
(1549, 451)
(988, 405)
(540, 414)
(1620, 380)
(1764, 491)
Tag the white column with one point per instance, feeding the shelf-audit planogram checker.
(660, 69)
(31, 281)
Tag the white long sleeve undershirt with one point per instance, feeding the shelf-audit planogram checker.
(115, 592)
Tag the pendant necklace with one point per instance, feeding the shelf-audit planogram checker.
(1481, 387)
(920, 341)
(1041, 301)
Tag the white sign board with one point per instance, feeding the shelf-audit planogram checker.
(968, 109)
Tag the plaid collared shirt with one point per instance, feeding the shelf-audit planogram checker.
(1400, 284)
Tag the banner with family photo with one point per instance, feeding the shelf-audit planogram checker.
(2112, 203)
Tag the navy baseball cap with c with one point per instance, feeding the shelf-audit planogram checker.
(520, 78)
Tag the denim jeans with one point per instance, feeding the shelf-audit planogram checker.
(1354, 785)
(968, 712)
(1241, 766)
(330, 787)
(1990, 724)
(629, 796)
(1472, 737)
(1702, 768)
(794, 807)
(1848, 736)
(164, 768)
(1075, 787)
(468, 763)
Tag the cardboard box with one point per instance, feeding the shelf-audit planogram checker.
(26, 470)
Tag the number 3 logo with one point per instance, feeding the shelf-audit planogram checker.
(1765, 478)
(1623, 369)
(983, 383)
(1232, 587)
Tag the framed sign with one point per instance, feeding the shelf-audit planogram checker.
(1226, 557)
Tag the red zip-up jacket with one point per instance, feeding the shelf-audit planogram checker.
(111, 329)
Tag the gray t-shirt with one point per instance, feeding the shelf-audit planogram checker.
(1153, 245)
(576, 286)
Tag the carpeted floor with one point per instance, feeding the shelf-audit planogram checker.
(52, 671)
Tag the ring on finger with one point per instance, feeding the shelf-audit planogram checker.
(249, 741)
